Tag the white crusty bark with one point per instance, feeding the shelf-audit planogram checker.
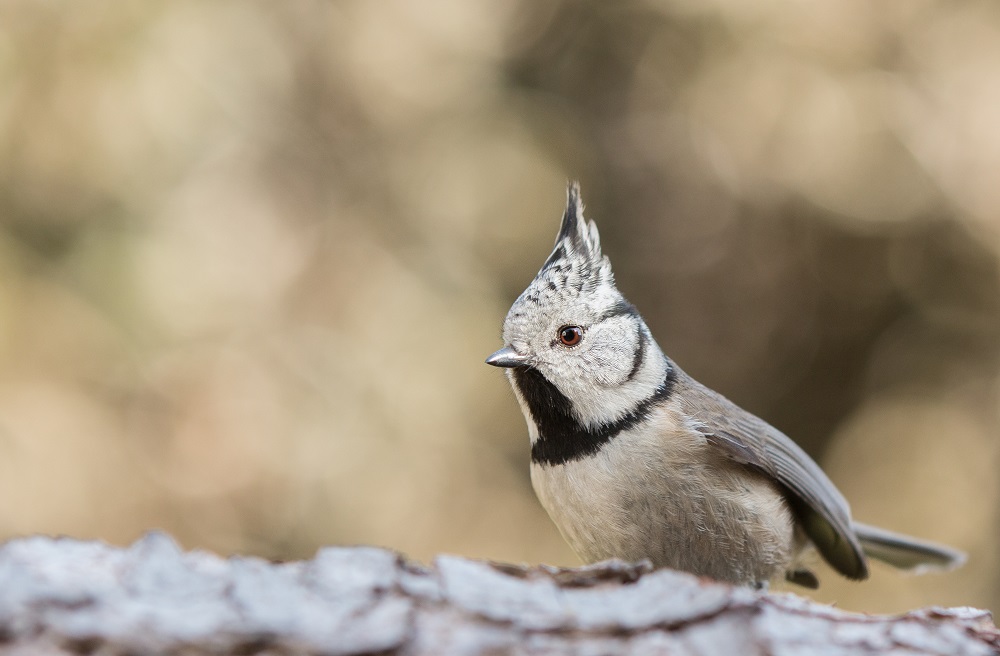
(62, 596)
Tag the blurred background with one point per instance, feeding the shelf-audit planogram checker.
(253, 254)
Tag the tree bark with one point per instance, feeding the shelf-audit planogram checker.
(62, 596)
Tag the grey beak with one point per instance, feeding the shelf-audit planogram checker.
(507, 357)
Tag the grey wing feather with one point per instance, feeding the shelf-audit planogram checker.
(822, 511)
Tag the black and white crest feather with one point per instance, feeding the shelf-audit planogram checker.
(576, 263)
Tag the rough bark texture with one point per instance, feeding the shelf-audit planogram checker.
(61, 596)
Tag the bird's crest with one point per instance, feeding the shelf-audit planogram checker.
(576, 261)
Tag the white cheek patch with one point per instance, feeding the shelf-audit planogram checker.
(611, 358)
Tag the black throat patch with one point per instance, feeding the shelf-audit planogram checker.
(561, 438)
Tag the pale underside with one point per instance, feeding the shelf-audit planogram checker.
(672, 498)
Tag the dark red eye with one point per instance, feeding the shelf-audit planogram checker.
(570, 335)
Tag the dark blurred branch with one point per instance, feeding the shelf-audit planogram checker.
(69, 597)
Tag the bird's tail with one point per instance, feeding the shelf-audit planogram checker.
(906, 553)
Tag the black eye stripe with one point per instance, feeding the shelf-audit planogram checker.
(640, 354)
(622, 307)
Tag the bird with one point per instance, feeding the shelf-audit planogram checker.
(633, 459)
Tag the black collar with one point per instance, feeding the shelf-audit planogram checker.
(561, 437)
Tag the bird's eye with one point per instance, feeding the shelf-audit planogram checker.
(570, 335)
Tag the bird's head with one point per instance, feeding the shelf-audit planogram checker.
(574, 328)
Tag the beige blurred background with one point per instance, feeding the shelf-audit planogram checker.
(252, 256)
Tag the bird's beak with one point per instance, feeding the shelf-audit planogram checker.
(507, 357)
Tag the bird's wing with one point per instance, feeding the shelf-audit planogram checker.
(824, 514)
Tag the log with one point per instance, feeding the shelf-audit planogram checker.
(64, 596)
